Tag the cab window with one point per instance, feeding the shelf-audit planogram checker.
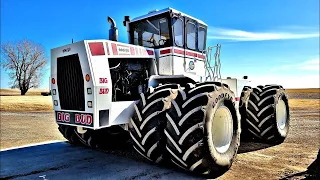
(164, 38)
(151, 33)
(201, 38)
(191, 35)
(178, 32)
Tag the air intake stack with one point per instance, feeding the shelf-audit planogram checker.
(113, 31)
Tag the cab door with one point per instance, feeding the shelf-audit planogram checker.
(178, 50)
(191, 46)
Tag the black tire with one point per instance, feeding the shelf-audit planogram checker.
(147, 125)
(89, 138)
(243, 105)
(110, 137)
(75, 138)
(69, 133)
(260, 116)
(189, 129)
(102, 138)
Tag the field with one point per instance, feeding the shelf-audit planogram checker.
(11, 100)
(29, 119)
(16, 92)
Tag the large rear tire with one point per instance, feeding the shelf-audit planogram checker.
(266, 116)
(203, 131)
(147, 125)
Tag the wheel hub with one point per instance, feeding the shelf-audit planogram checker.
(281, 114)
(222, 129)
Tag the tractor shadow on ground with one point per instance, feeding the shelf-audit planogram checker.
(126, 150)
(252, 146)
(312, 172)
(66, 161)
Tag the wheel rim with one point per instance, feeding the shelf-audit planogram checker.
(281, 114)
(222, 129)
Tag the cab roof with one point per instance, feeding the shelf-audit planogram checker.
(154, 13)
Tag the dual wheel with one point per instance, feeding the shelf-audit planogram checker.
(265, 114)
(197, 128)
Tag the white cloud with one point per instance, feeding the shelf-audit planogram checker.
(310, 65)
(241, 35)
(294, 81)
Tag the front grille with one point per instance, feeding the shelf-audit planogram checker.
(70, 83)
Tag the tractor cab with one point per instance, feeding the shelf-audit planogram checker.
(179, 41)
(167, 28)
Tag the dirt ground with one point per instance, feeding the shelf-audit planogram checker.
(289, 160)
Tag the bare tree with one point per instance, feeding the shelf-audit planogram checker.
(24, 61)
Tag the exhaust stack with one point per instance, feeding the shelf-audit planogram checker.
(113, 31)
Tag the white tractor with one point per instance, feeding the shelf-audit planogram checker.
(163, 91)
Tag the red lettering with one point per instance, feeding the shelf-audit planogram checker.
(59, 116)
(67, 117)
(103, 80)
(64, 117)
(83, 119)
(104, 91)
(89, 120)
(77, 118)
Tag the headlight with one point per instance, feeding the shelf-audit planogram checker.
(89, 104)
(89, 90)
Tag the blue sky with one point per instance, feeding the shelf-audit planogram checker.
(274, 41)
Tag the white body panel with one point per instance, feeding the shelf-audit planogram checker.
(121, 112)
(154, 13)
(76, 48)
(236, 85)
(97, 66)
(176, 61)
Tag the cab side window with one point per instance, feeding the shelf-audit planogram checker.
(191, 35)
(178, 32)
(201, 38)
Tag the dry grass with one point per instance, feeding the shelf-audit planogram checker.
(305, 104)
(12, 101)
(24, 128)
(16, 92)
(307, 90)
(26, 103)
(44, 103)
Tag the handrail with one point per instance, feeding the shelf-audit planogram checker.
(213, 73)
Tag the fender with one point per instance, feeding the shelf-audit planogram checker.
(155, 80)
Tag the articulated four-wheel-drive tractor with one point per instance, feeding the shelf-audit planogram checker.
(163, 91)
